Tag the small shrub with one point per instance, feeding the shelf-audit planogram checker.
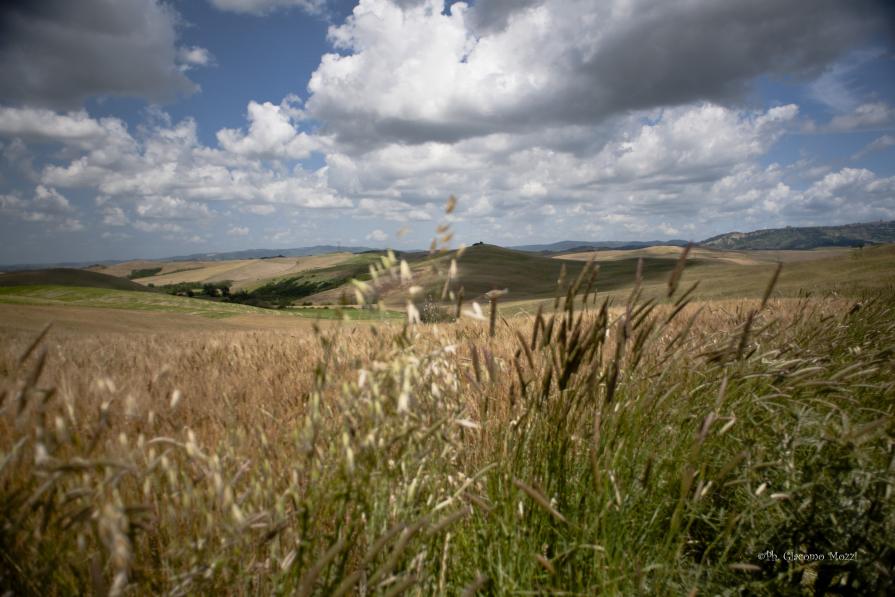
(143, 273)
(433, 312)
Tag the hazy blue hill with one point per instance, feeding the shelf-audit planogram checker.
(224, 256)
(849, 235)
(267, 253)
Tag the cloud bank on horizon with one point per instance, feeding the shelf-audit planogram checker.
(549, 119)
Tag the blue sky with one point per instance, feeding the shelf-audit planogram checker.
(141, 128)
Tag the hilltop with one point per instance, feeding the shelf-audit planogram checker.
(849, 235)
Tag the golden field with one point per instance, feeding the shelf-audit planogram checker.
(629, 446)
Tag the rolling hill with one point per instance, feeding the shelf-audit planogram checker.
(69, 277)
(527, 276)
(531, 278)
(740, 274)
(243, 273)
(203, 257)
(849, 235)
(569, 246)
(709, 254)
(52, 302)
(270, 253)
(789, 238)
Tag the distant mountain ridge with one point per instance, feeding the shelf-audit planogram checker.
(222, 256)
(811, 237)
(575, 246)
(267, 253)
(848, 235)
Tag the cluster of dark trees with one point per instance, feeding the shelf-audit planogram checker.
(274, 295)
(207, 290)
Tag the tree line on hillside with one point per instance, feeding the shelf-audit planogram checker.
(278, 294)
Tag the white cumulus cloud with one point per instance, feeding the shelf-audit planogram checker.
(190, 57)
(871, 115)
(413, 72)
(47, 206)
(881, 143)
(271, 133)
(378, 235)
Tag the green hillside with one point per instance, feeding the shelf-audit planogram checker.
(850, 235)
(532, 276)
(52, 295)
(69, 277)
(105, 298)
(484, 267)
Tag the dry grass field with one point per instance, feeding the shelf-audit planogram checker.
(92, 309)
(91, 321)
(244, 273)
(705, 253)
(645, 446)
(531, 278)
(737, 274)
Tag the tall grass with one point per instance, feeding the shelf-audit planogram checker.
(624, 449)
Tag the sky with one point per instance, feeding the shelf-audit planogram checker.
(150, 128)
